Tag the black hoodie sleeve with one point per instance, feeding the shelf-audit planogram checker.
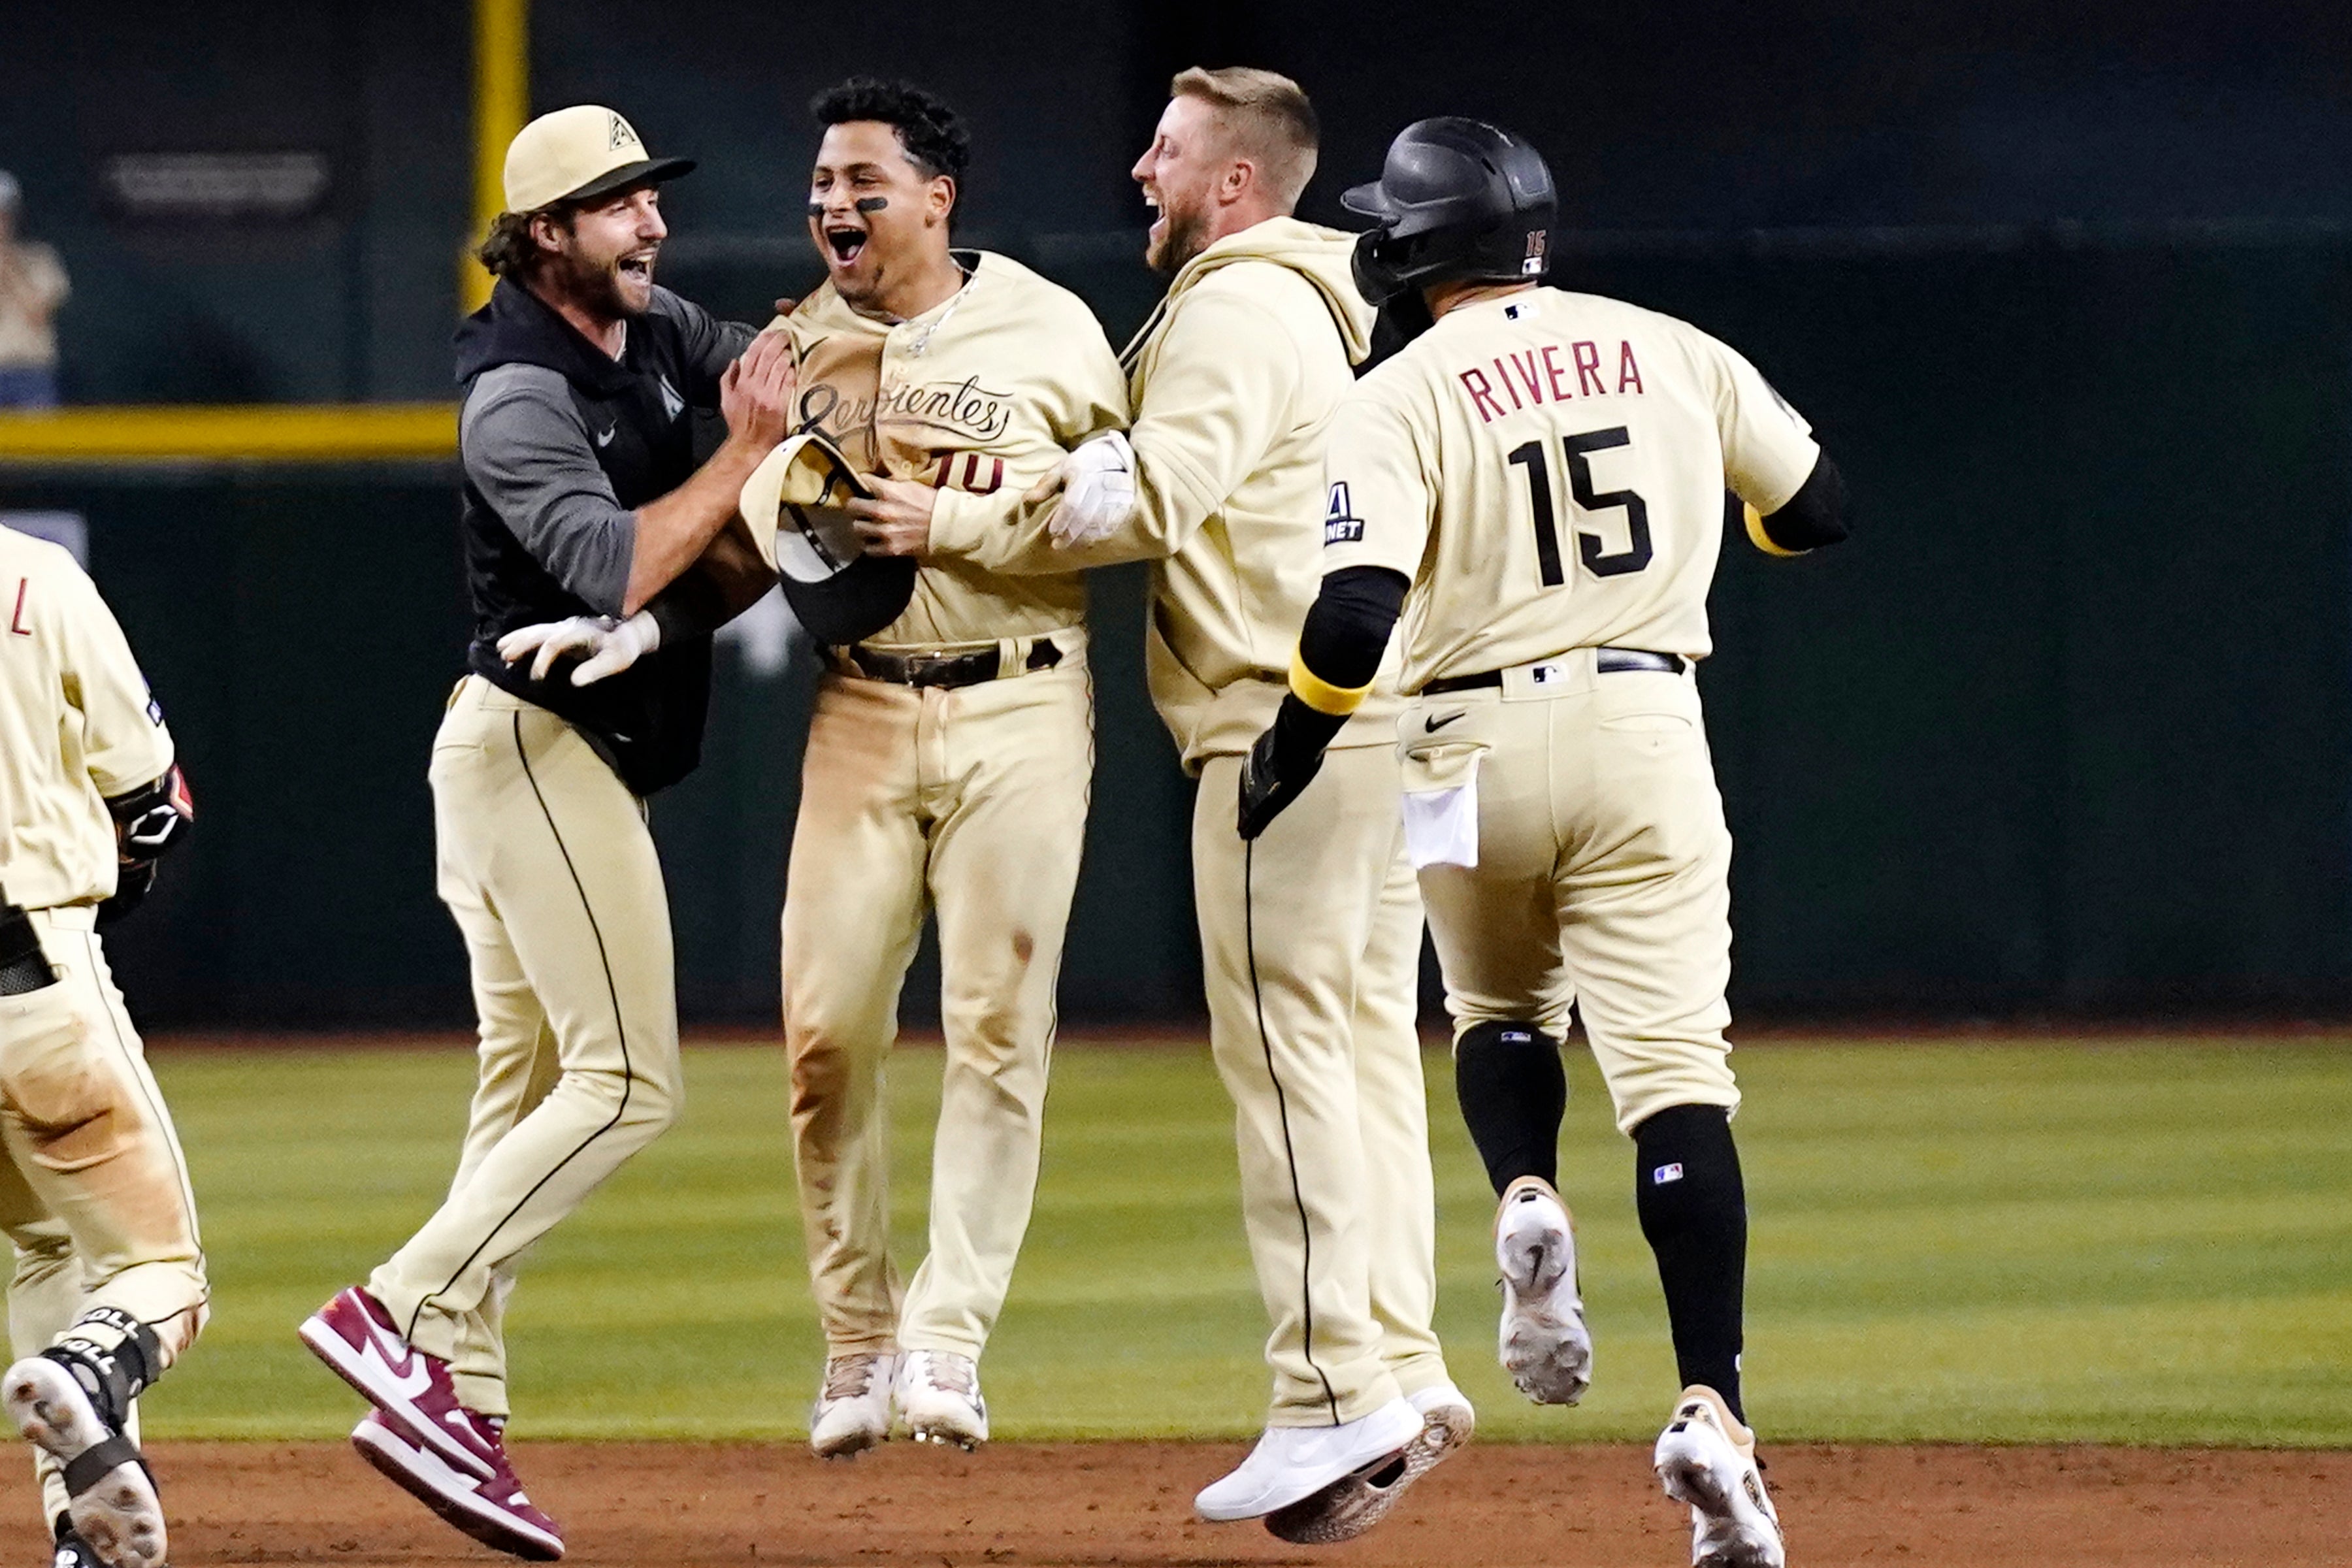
(527, 451)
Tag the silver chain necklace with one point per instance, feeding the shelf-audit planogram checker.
(915, 350)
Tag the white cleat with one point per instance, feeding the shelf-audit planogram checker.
(1707, 1459)
(852, 1412)
(115, 1510)
(1294, 1462)
(1545, 1345)
(1353, 1504)
(938, 1398)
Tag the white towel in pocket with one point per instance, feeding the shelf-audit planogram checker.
(1441, 826)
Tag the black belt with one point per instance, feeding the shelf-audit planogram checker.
(1607, 660)
(946, 670)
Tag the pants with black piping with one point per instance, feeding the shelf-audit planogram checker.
(971, 802)
(548, 867)
(1310, 949)
(94, 1191)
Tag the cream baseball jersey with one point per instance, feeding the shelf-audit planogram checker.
(978, 396)
(1548, 468)
(76, 727)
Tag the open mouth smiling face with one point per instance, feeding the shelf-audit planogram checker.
(636, 267)
(845, 241)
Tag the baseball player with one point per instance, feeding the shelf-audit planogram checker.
(1310, 937)
(1537, 482)
(949, 761)
(109, 1287)
(581, 503)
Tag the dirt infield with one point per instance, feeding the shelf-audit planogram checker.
(1128, 1504)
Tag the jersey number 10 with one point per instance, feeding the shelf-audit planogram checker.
(1590, 547)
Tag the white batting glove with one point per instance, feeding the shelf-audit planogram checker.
(1097, 492)
(603, 646)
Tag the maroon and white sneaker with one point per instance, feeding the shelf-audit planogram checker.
(492, 1509)
(355, 1337)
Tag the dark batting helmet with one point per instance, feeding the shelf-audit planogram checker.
(1456, 200)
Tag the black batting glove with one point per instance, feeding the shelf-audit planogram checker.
(133, 880)
(150, 821)
(1282, 762)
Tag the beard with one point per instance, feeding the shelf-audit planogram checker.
(1186, 239)
(596, 285)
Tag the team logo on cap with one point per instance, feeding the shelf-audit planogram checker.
(618, 135)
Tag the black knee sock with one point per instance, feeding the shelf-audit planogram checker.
(1512, 1092)
(1694, 1212)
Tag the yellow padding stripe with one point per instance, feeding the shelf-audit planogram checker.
(1761, 540)
(325, 433)
(501, 104)
(1320, 694)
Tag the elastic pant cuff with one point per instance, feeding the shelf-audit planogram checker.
(1316, 1408)
(483, 1395)
(1419, 1374)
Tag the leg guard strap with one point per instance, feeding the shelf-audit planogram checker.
(98, 1462)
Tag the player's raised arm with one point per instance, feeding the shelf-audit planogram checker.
(532, 455)
(755, 398)
(1220, 398)
(1085, 399)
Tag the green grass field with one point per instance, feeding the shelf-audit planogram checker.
(2133, 1242)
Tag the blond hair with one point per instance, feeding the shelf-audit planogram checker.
(1267, 118)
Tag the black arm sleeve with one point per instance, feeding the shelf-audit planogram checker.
(1815, 515)
(1345, 632)
(1348, 627)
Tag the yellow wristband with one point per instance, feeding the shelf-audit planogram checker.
(1761, 540)
(1320, 694)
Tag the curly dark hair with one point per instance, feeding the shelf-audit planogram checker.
(931, 133)
(508, 250)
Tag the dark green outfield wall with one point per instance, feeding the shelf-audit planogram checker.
(2069, 725)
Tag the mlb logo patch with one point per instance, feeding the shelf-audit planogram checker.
(1340, 523)
(1665, 1174)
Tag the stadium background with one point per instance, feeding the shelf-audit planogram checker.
(2060, 746)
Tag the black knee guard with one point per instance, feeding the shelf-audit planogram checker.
(1694, 1209)
(1512, 1092)
(114, 1357)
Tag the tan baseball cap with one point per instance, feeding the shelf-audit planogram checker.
(577, 154)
